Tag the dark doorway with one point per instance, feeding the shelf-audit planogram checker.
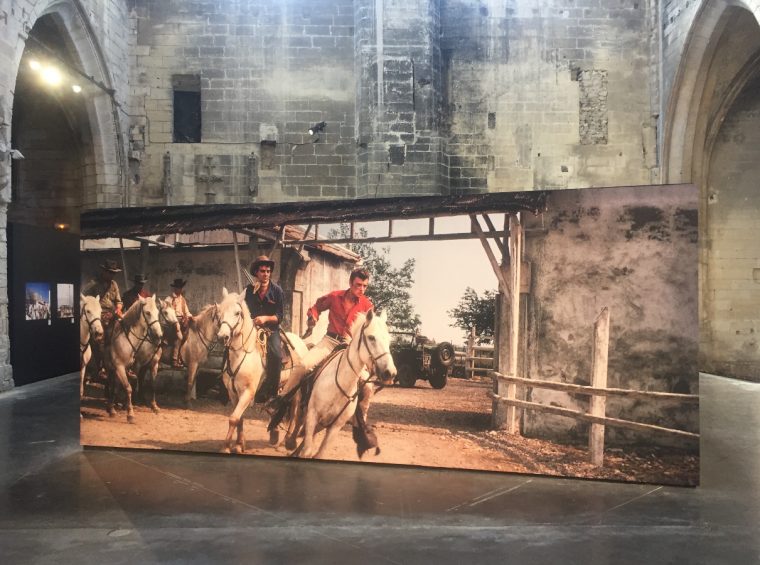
(43, 309)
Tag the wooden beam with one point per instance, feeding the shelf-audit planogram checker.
(516, 245)
(431, 226)
(499, 242)
(489, 252)
(123, 263)
(599, 380)
(386, 239)
(590, 391)
(237, 261)
(578, 415)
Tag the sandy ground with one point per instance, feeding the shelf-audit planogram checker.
(417, 426)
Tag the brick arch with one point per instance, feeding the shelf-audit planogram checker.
(685, 129)
(104, 186)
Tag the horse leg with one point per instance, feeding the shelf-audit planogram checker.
(296, 422)
(240, 447)
(121, 373)
(329, 434)
(85, 359)
(310, 428)
(192, 371)
(243, 401)
(153, 373)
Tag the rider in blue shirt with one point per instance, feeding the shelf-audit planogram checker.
(266, 307)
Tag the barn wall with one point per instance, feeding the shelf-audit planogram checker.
(633, 250)
(208, 270)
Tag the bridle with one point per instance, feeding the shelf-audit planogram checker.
(228, 348)
(373, 361)
(207, 343)
(83, 346)
(148, 332)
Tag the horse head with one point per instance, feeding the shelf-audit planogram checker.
(231, 313)
(151, 317)
(168, 317)
(90, 313)
(375, 346)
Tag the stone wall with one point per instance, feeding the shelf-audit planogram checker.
(633, 250)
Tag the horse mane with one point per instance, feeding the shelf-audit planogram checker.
(358, 322)
(132, 314)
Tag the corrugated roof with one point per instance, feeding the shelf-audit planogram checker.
(130, 222)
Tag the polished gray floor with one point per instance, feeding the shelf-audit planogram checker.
(60, 504)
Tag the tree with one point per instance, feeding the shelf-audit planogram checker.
(475, 311)
(389, 287)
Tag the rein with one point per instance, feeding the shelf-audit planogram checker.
(128, 331)
(83, 346)
(207, 343)
(229, 348)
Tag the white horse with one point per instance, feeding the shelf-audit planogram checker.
(201, 338)
(149, 355)
(243, 367)
(90, 328)
(338, 382)
(138, 326)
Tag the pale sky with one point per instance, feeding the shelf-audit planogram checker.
(444, 269)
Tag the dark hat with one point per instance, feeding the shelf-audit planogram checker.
(110, 265)
(178, 283)
(261, 260)
(140, 278)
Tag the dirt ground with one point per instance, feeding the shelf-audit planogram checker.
(417, 426)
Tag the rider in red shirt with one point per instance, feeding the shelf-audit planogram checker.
(343, 307)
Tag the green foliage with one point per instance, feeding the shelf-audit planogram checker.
(475, 311)
(388, 286)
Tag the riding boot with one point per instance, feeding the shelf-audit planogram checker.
(176, 363)
(268, 389)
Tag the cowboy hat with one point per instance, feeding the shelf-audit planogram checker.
(259, 261)
(140, 278)
(178, 283)
(110, 265)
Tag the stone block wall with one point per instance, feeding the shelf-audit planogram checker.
(268, 71)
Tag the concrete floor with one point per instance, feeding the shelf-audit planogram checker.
(59, 504)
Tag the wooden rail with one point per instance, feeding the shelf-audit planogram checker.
(598, 392)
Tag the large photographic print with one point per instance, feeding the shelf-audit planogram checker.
(551, 333)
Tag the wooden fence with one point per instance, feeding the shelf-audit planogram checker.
(598, 392)
(478, 359)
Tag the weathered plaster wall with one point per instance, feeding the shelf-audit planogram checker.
(633, 250)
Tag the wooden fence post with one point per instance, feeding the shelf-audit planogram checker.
(469, 360)
(599, 380)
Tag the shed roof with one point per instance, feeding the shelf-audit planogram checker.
(131, 222)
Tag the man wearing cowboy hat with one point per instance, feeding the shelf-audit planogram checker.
(130, 297)
(107, 289)
(266, 307)
(184, 316)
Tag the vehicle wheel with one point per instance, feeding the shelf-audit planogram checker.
(444, 354)
(405, 376)
(438, 378)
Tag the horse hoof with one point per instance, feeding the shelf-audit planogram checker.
(156, 409)
(290, 443)
(225, 450)
(111, 413)
(130, 419)
(239, 449)
(274, 437)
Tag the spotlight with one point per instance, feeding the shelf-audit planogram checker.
(61, 226)
(34, 64)
(52, 76)
(76, 88)
(317, 128)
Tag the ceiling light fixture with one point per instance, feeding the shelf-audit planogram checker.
(76, 88)
(52, 76)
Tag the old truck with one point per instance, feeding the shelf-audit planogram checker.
(419, 358)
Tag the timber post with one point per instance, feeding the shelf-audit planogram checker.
(598, 403)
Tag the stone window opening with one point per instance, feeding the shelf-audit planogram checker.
(187, 108)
